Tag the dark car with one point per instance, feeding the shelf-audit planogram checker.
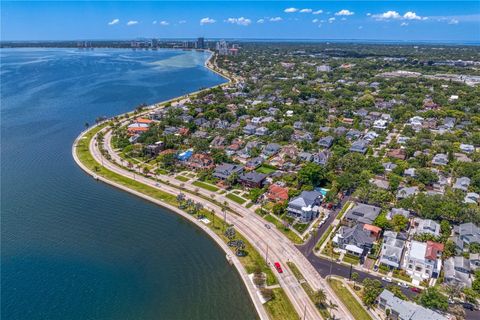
(468, 306)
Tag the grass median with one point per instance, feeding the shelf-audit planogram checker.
(355, 308)
(286, 231)
(205, 186)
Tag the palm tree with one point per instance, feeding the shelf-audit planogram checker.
(240, 248)
(355, 278)
(320, 297)
(332, 306)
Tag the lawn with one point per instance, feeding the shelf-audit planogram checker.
(344, 209)
(182, 178)
(301, 227)
(287, 232)
(204, 185)
(236, 198)
(351, 259)
(280, 308)
(323, 238)
(355, 308)
(265, 169)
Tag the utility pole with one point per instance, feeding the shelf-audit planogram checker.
(350, 276)
(304, 311)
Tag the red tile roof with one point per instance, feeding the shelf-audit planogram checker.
(433, 248)
(277, 193)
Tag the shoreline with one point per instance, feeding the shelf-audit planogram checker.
(260, 310)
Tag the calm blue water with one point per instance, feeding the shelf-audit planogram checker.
(72, 248)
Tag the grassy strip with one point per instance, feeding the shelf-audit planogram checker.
(286, 231)
(204, 185)
(236, 198)
(344, 209)
(308, 289)
(355, 308)
(182, 178)
(323, 238)
(351, 259)
(280, 308)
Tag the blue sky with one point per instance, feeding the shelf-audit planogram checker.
(374, 20)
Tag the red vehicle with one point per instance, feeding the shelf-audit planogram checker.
(415, 289)
(278, 267)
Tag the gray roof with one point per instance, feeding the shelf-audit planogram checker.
(356, 235)
(326, 142)
(407, 310)
(363, 213)
(359, 146)
(252, 176)
(305, 199)
(224, 170)
(392, 249)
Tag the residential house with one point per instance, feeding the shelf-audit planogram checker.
(392, 249)
(271, 149)
(423, 260)
(353, 134)
(252, 179)
(185, 155)
(355, 240)
(249, 129)
(406, 192)
(305, 156)
(359, 146)
(457, 270)
(440, 159)
(325, 142)
(153, 150)
(468, 148)
(389, 166)
(277, 193)
(225, 170)
(467, 233)
(380, 124)
(262, 131)
(321, 158)
(218, 142)
(426, 226)
(462, 184)
(305, 206)
(472, 197)
(254, 163)
(362, 213)
(201, 161)
(405, 310)
(397, 154)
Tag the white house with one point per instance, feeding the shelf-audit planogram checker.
(423, 260)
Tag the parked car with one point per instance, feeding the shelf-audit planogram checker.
(403, 285)
(278, 267)
(267, 226)
(468, 306)
(415, 289)
(375, 268)
(387, 279)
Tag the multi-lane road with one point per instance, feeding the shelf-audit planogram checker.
(252, 227)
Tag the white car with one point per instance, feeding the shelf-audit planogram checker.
(387, 279)
(403, 285)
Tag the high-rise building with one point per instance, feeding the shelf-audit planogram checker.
(222, 48)
(200, 43)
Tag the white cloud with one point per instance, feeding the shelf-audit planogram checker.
(114, 21)
(315, 20)
(387, 15)
(306, 10)
(369, 14)
(453, 21)
(164, 23)
(344, 12)
(260, 20)
(317, 12)
(275, 19)
(330, 20)
(411, 16)
(206, 20)
(290, 10)
(240, 21)
(182, 21)
(403, 24)
(132, 22)
(154, 22)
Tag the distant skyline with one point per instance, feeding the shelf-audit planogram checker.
(354, 20)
